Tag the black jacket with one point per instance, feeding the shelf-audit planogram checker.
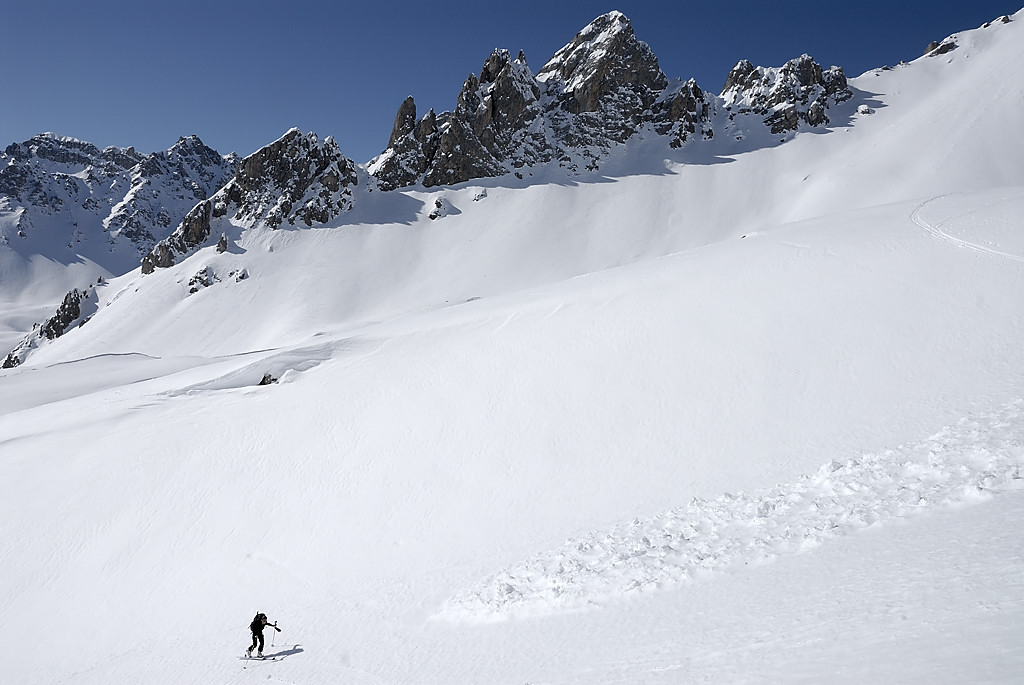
(257, 623)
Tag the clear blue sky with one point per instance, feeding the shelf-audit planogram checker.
(239, 73)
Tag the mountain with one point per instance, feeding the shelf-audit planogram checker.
(599, 90)
(66, 198)
(73, 204)
(748, 408)
(296, 178)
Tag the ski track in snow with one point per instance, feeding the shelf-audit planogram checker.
(972, 461)
(935, 230)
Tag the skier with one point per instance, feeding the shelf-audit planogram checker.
(257, 633)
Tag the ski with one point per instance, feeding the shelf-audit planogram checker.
(246, 659)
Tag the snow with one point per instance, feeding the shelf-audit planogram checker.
(971, 461)
(790, 369)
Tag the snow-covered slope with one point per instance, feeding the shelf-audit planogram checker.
(479, 461)
(71, 213)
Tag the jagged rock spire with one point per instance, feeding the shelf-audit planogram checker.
(405, 121)
(492, 118)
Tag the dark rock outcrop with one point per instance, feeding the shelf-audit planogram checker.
(204, 278)
(935, 48)
(75, 310)
(487, 134)
(685, 114)
(296, 179)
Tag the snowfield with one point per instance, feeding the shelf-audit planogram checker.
(721, 415)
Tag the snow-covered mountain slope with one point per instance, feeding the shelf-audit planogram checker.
(70, 213)
(395, 468)
(506, 412)
(505, 235)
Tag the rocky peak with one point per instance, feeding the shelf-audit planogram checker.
(595, 91)
(164, 186)
(798, 91)
(189, 157)
(599, 61)
(54, 148)
(496, 105)
(72, 154)
(685, 113)
(293, 179)
(297, 178)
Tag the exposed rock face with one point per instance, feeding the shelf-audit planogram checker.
(77, 307)
(198, 171)
(935, 48)
(597, 91)
(106, 201)
(685, 114)
(605, 77)
(799, 91)
(297, 178)
(204, 278)
(405, 122)
(488, 133)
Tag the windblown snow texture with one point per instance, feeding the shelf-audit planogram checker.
(978, 458)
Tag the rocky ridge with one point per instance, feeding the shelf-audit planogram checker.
(799, 91)
(115, 199)
(599, 90)
(75, 310)
(297, 178)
